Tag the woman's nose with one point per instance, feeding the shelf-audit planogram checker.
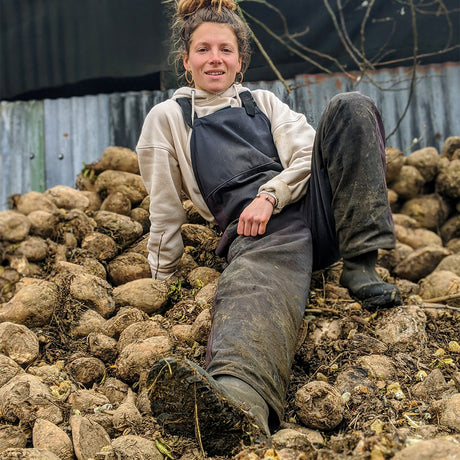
(215, 56)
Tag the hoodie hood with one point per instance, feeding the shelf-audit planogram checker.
(204, 96)
(204, 103)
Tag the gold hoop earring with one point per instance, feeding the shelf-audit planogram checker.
(240, 74)
(189, 81)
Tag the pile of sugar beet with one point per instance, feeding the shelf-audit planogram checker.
(82, 321)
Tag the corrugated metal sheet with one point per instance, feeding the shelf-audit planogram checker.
(127, 113)
(434, 111)
(21, 148)
(75, 130)
(46, 143)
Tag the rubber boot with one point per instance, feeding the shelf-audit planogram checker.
(248, 399)
(364, 283)
(187, 401)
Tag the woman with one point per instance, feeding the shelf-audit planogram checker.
(288, 200)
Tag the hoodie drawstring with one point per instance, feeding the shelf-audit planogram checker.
(193, 105)
(237, 96)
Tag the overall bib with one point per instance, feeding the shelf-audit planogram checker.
(262, 294)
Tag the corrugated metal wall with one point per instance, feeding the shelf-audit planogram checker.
(46, 143)
(21, 148)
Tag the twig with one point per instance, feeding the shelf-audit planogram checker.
(293, 38)
(264, 53)
(323, 55)
(197, 423)
(414, 70)
(340, 34)
(383, 51)
(401, 60)
(416, 140)
(443, 7)
(439, 306)
(363, 25)
(290, 48)
(442, 298)
(322, 310)
(357, 53)
(365, 64)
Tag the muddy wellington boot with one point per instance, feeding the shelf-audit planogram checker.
(187, 401)
(364, 283)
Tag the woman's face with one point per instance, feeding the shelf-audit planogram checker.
(213, 57)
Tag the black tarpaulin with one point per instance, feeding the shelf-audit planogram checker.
(62, 48)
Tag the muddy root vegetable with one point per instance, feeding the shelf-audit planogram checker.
(319, 406)
(33, 305)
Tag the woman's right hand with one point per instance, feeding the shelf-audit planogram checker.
(254, 218)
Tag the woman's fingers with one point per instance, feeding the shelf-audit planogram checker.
(254, 218)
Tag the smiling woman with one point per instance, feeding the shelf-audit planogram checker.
(213, 58)
(260, 172)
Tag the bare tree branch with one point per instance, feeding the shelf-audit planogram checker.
(340, 34)
(357, 54)
(414, 68)
(264, 53)
(290, 48)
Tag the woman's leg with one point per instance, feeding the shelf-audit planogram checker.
(348, 202)
(259, 307)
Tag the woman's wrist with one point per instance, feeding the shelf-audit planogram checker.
(269, 196)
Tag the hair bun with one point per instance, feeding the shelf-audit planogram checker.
(186, 8)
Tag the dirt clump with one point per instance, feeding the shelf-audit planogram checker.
(82, 322)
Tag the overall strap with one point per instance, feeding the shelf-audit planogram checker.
(186, 107)
(246, 98)
(248, 103)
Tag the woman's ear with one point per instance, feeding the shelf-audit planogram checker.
(185, 61)
(240, 64)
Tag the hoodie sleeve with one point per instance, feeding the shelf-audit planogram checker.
(294, 138)
(161, 175)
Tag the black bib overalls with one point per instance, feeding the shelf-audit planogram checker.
(262, 294)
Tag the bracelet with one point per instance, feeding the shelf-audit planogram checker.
(272, 194)
(268, 194)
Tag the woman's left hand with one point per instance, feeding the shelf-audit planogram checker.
(254, 218)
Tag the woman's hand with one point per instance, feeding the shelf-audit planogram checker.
(254, 218)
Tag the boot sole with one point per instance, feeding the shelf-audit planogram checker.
(187, 402)
(385, 299)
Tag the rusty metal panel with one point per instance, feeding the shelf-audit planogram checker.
(127, 112)
(21, 149)
(434, 110)
(76, 133)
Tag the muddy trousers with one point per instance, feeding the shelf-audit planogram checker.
(262, 294)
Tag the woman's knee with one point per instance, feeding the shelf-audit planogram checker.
(352, 99)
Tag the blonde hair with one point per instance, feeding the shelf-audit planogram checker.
(190, 14)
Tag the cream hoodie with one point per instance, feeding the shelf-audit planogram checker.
(166, 169)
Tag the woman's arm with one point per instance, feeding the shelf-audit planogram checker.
(161, 175)
(294, 138)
